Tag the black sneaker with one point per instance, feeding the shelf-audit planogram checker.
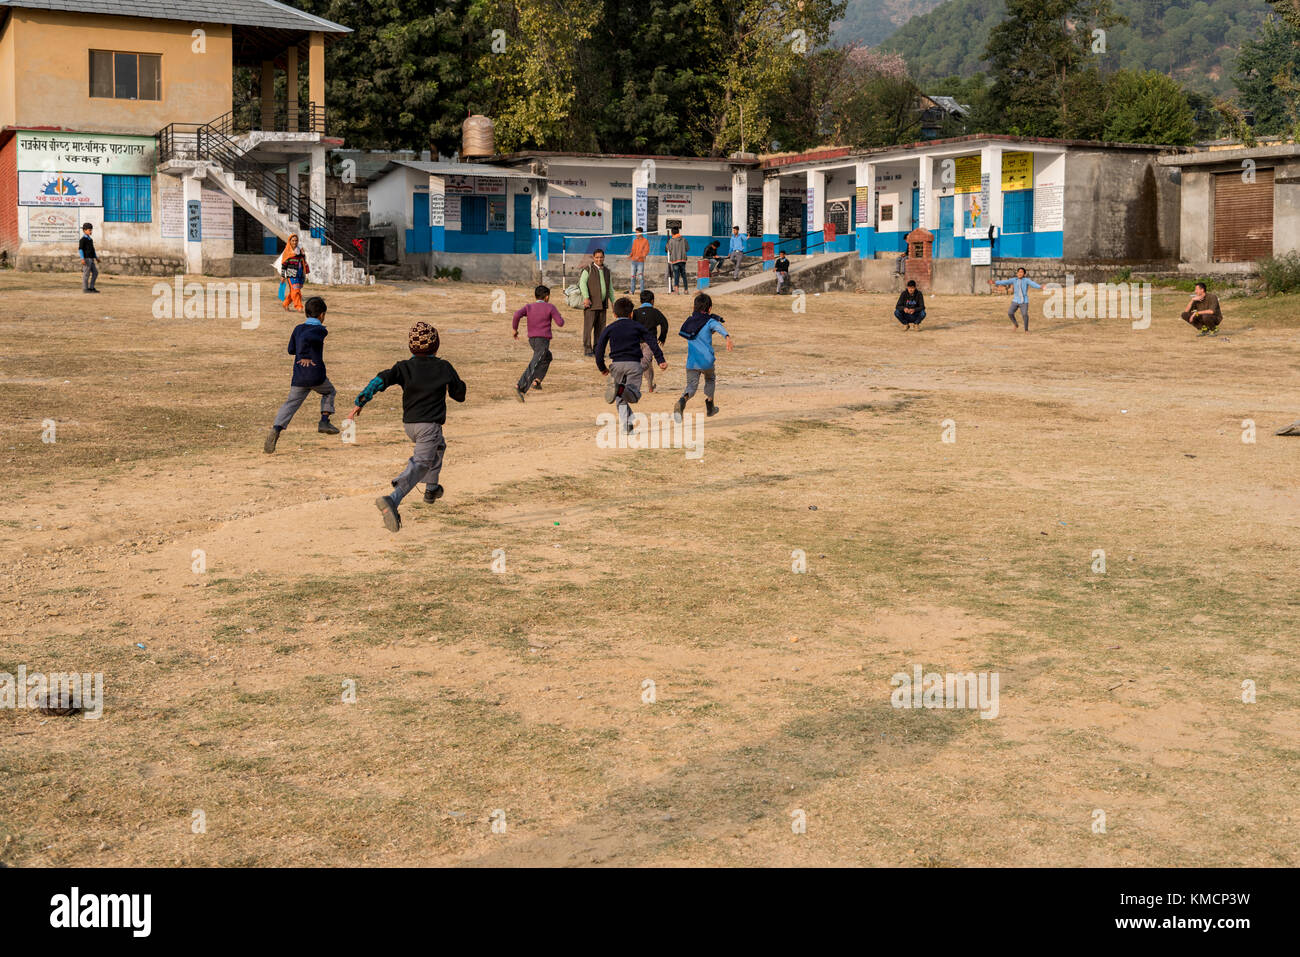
(392, 520)
(432, 495)
(328, 427)
(678, 409)
(519, 394)
(537, 384)
(709, 408)
(272, 437)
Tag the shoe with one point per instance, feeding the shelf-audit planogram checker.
(537, 384)
(327, 427)
(588, 352)
(710, 409)
(272, 437)
(94, 290)
(432, 495)
(611, 389)
(519, 394)
(678, 408)
(392, 520)
(1204, 332)
(1214, 331)
(630, 427)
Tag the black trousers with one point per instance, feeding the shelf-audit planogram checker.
(541, 361)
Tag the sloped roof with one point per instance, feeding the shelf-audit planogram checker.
(249, 13)
(453, 169)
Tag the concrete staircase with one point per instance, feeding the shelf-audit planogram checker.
(817, 273)
(327, 266)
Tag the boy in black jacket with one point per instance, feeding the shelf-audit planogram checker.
(624, 337)
(426, 382)
(910, 309)
(657, 323)
(307, 346)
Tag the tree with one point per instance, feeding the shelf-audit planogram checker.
(1147, 107)
(1037, 55)
(1266, 75)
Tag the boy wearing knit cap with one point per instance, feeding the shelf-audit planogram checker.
(426, 381)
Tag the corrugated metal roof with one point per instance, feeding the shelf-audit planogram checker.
(455, 169)
(247, 13)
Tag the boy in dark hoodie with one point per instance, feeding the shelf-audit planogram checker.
(698, 332)
(307, 346)
(657, 323)
(910, 308)
(426, 382)
(625, 337)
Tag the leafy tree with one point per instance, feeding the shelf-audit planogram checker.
(1267, 68)
(1147, 107)
(1039, 59)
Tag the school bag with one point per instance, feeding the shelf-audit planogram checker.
(573, 296)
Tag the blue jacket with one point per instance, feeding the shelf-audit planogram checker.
(737, 244)
(699, 348)
(1019, 288)
(308, 342)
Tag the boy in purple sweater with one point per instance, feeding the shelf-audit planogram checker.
(540, 316)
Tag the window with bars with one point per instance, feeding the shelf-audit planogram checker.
(125, 76)
(127, 199)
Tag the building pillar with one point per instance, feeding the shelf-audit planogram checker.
(316, 78)
(291, 179)
(316, 182)
(541, 207)
(740, 200)
(864, 208)
(926, 207)
(192, 186)
(991, 164)
(641, 194)
(291, 89)
(771, 213)
(437, 215)
(816, 199)
(268, 95)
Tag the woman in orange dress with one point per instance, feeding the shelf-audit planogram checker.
(293, 269)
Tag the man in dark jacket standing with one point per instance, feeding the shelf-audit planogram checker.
(597, 287)
(910, 309)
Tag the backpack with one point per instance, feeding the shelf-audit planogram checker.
(573, 296)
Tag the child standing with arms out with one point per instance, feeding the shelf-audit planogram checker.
(293, 268)
(1020, 287)
(540, 315)
(307, 346)
(656, 322)
(426, 382)
(698, 332)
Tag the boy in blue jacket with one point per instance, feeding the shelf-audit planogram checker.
(307, 346)
(698, 332)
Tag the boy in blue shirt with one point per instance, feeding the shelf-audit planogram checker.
(698, 332)
(1019, 295)
(307, 346)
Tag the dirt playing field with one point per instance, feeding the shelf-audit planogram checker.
(525, 691)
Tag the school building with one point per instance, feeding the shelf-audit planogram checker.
(122, 114)
(1051, 201)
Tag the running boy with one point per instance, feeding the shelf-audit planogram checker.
(782, 267)
(307, 346)
(426, 382)
(1019, 295)
(698, 332)
(656, 322)
(625, 337)
(540, 316)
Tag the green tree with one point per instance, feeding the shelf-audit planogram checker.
(1266, 72)
(1037, 56)
(1147, 107)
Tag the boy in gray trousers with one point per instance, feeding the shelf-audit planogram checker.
(307, 346)
(426, 382)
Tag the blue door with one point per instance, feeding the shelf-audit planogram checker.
(623, 217)
(523, 223)
(1018, 211)
(916, 209)
(418, 239)
(721, 220)
(945, 250)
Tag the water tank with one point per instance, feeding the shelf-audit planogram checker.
(476, 136)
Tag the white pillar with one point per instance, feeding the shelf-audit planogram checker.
(864, 205)
(317, 187)
(193, 197)
(740, 200)
(771, 208)
(991, 163)
(925, 204)
(816, 199)
(641, 178)
(291, 177)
